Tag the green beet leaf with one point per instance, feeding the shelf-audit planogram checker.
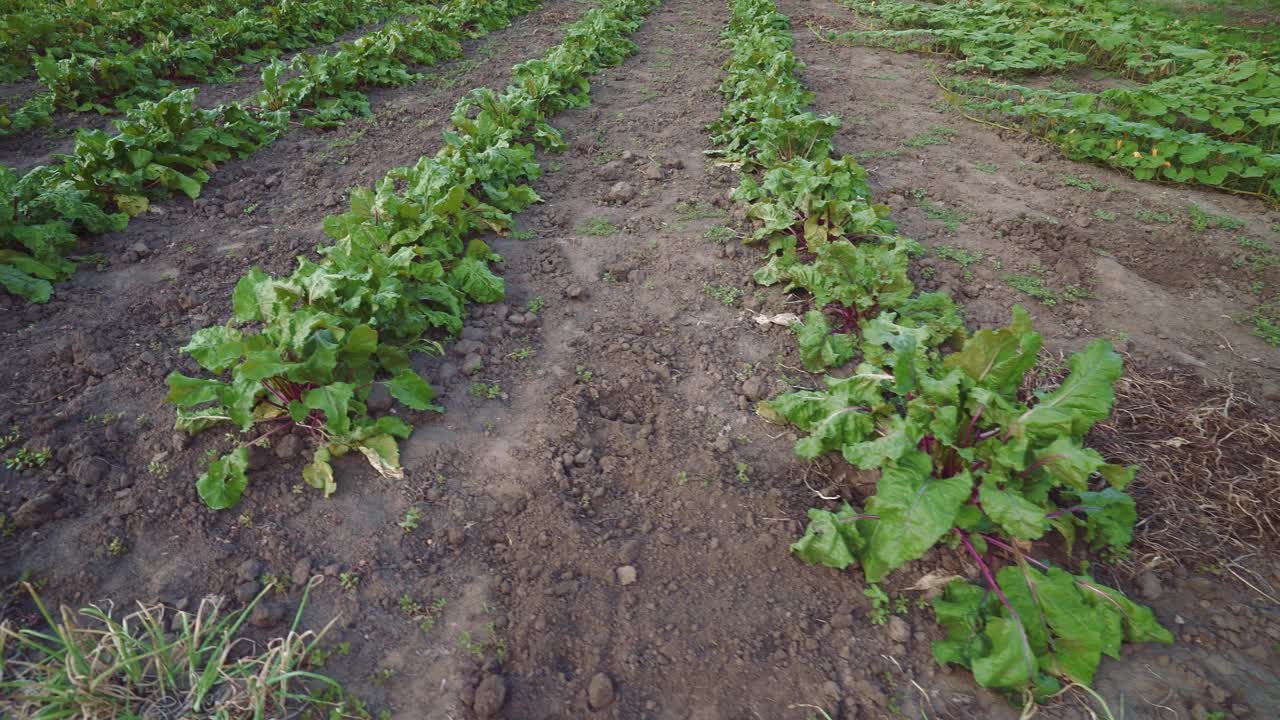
(998, 359)
(334, 401)
(319, 473)
(831, 540)
(409, 388)
(1016, 515)
(819, 347)
(1009, 663)
(1109, 518)
(915, 511)
(221, 485)
(383, 454)
(1085, 396)
(216, 348)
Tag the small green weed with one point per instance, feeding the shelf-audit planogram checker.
(1033, 286)
(1102, 214)
(879, 613)
(726, 294)
(951, 218)
(1077, 293)
(866, 155)
(349, 581)
(117, 547)
(596, 227)
(1086, 184)
(1145, 215)
(721, 234)
(959, 255)
(412, 516)
(486, 391)
(26, 459)
(698, 210)
(934, 136)
(1201, 220)
(535, 305)
(985, 167)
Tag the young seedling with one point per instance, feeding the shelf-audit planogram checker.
(412, 516)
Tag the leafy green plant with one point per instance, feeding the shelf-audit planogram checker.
(27, 459)
(170, 145)
(1161, 127)
(117, 548)
(966, 463)
(412, 516)
(305, 350)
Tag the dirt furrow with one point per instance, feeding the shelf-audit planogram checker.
(646, 573)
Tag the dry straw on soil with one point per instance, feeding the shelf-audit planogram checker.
(1208, 483)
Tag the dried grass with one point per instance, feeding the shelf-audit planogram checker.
(1208, 484)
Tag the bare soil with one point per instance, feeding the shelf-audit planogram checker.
(610, 532)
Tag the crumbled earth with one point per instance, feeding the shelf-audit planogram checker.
(603, 516)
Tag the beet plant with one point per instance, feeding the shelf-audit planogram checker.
(965, 463)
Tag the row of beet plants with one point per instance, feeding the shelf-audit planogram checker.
(967, 460)
(306, 350)
(31, 28)
(1209, 111)
(170, 146)
(119, 81)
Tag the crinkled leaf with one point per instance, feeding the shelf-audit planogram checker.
(383, 454)
(831, 539)
(1015, 514)
(319, 473)
(819, 347)
(998, 359)
(216, 348)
